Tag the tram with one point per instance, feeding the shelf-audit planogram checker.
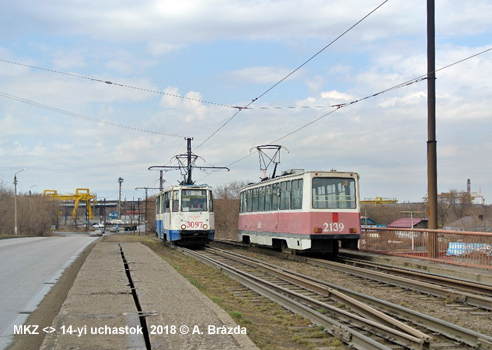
(185, 214)
(315, 211)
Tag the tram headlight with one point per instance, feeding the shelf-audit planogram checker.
(205, 226)
(318, 230)
(353, 230)
(183, 226)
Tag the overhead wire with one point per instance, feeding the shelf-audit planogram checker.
(395, 87)
(80, 116)
(292, 72)
(109, 82)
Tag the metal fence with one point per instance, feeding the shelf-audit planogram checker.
(472, 249)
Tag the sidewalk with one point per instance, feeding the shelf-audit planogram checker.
(101, 312)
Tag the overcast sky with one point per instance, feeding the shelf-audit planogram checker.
(179, 69)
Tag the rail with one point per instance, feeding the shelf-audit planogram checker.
(405, 335)
(473, 249)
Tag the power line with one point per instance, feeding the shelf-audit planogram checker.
(339, 106)
(293, 72)
(108, 82)
(80, 116)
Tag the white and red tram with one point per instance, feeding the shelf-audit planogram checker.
(302, 211)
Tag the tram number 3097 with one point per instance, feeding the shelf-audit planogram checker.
(333, 227)
(194, 224)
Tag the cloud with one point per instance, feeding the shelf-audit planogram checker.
(177, 67)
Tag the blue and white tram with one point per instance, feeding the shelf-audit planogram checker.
(185, 214)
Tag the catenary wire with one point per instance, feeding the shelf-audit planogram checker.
(80, 116)
(293, 72)
(339, 106)
(108, 82)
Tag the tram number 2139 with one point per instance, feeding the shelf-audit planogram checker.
(333, 227)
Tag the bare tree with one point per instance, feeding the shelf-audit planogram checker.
(227, 209)
(230, 190)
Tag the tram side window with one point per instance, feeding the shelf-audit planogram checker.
(210, 202)
(285, 190)
(249, 201)
(255, 199)
(297, 194)
(242, 202)
(175, 201)
(275, 196)
(261, 198)
(158, 204)
(268, 197)
(167, 205)
(333, 193)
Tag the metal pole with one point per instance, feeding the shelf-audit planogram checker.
(15, 204)
(120, 181)
(431, 128)
(15, 200)
(188, 153)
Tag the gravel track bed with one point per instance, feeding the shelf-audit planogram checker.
(433, 306)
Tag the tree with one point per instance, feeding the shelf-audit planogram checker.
(230, 190)
(227, 209)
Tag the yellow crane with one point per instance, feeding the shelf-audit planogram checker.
(81, 194)
(379, 200)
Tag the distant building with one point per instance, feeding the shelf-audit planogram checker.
(409, 223)
(367, 222)
(470, 223)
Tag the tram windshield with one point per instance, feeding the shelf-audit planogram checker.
(194, 200)
(334, 193)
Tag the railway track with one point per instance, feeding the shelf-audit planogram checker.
(454, 283)
(360, 321)
(456, 290)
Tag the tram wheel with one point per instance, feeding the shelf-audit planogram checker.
(286, 250)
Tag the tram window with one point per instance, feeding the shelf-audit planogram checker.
(297, 194)
(242, 202)
(175, 201)
(210, 202)
(275, 196)
(167, 203)
(261, 199)
(249, 201)
(333, 193)
(194, 200)
(285, 187)
(268, 197)
(158, 204)
(255, 199)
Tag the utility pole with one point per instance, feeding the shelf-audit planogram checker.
(431, 129)
(186, 162)
(120, 181)
(15, 200)
(146, 198)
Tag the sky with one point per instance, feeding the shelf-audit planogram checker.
(91, 91)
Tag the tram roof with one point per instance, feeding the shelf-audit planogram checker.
(299, 172)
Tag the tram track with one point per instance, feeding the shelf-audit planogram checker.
(447, 288)
(454, 283)
(351, 316)
(460, 291)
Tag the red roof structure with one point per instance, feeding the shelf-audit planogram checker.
(408, 222)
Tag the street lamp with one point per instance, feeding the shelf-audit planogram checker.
(15, 200)
(120, 181)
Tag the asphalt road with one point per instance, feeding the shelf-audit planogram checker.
(28, 269)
